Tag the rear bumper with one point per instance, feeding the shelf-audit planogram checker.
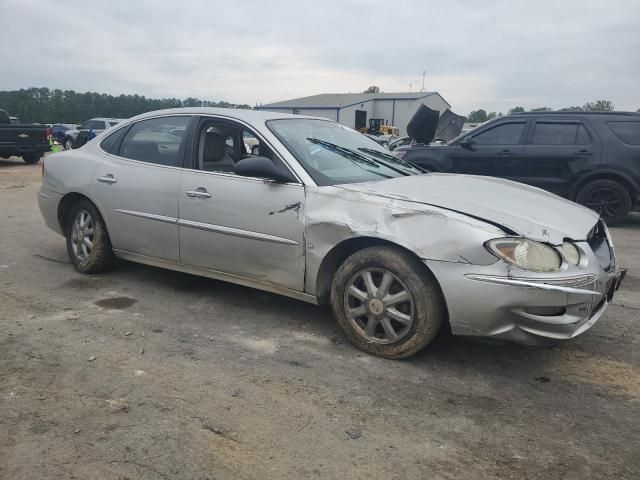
(19, 150)
(491, 301)
(48, 202)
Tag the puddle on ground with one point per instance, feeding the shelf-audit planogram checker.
(116, 303)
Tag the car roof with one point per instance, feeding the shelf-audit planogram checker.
(574, 113)
(106, 119)
(237, 113)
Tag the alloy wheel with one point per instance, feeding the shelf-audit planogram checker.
(82, 235)
(605, 201)
(379, 305)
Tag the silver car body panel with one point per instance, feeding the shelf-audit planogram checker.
(141, 207)
(529, 211)
(247, 227)
(276, 236)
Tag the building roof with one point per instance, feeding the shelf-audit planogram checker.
(339, 100)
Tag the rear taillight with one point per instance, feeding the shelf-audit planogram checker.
(48, 133)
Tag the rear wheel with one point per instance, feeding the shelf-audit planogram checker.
(607, 197)
(88, 243)
(386, 302)
(31, 158)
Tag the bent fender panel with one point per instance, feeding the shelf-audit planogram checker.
(335, 215)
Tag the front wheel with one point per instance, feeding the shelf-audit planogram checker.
(88, 243)
(387, 303)
(68, 143)
(607, 197)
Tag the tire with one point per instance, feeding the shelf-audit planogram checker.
(422, 314)
(68, 143)
(255, 150)
(607, 197)
(31, 158)
(88, 259)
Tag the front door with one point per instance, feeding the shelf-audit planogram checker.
(496, 151)
(136, 188)
(237, 225)
(361, 119)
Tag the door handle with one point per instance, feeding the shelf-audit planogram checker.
(583, 153)
(506, 153)
(107, 179)
(199, 192)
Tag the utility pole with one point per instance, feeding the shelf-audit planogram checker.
(424, 74)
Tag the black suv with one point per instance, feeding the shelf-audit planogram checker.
(592, 158)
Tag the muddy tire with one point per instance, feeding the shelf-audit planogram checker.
(387, 302)
(607, 197)
(88, 243)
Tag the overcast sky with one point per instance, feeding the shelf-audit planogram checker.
(477, 54)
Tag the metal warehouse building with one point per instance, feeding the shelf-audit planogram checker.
(355, 109)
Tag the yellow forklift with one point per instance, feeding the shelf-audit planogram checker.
(378, 126)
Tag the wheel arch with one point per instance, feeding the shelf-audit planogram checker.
(65, 204)
(608, 174)
(344, 249)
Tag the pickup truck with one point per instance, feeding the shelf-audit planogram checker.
(27, 141)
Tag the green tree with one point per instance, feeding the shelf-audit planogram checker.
(516, 110)
(571, 109)
(478, 116)
(491, 115)
(66, 106)
(542, 109)
(599, 106)
(372, 89)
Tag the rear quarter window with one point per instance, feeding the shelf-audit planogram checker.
(112, 142)
(628, 132)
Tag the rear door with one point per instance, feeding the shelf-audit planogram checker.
(136, 185)
(250, 227)
(496, 151)
(556, 149)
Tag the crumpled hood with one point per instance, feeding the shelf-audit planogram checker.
(525, 210)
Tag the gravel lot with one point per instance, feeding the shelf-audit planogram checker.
(142, 373)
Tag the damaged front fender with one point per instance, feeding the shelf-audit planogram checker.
(335, 215)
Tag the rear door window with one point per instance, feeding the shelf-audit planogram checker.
(157, 140)
(553, 133)
(504, 134)
(628, 132)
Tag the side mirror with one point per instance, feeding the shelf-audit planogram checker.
(262, 167)
(468, 143)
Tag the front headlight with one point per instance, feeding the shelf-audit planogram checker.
(526, 254)
(571, 253)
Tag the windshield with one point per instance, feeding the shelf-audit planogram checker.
(333, 154)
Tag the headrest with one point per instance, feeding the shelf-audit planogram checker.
(214, 147)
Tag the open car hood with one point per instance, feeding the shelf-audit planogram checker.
(427, 124)
(524, 210)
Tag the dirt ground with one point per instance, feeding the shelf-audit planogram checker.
(142, 373)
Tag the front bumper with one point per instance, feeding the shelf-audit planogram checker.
(496, 301)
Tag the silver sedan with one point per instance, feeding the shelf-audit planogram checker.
(323, 214)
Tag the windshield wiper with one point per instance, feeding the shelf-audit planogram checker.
(389, 157)
(345, 152)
